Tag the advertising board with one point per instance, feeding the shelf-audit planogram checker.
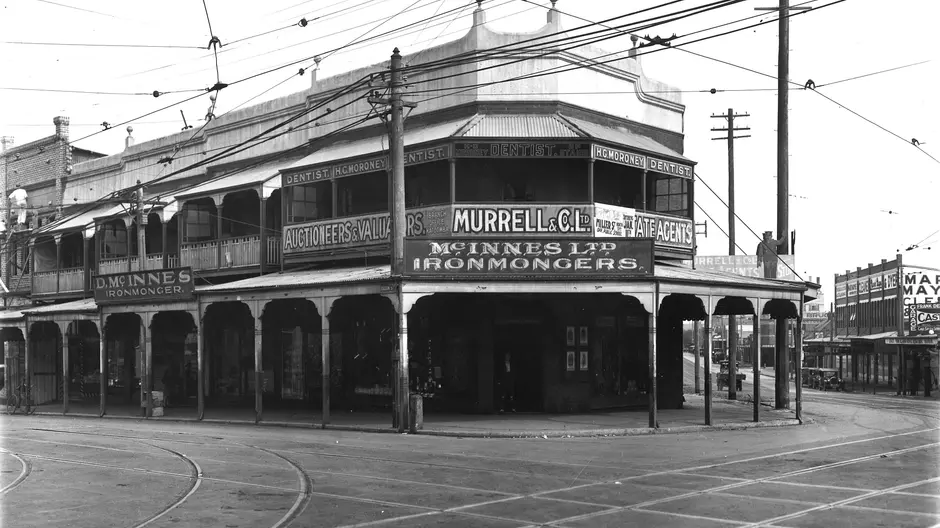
(164, 285)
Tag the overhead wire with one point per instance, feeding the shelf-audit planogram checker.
(94, 45)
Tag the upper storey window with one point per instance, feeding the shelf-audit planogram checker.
(522, 180)
(362, 194)
(427, 184)
(671, 195)
(310, 201)
(618, 185)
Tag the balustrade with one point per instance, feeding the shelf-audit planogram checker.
(71, 280)
(44, 282)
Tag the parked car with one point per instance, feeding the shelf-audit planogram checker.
(824, 379)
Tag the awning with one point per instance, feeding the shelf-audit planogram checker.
(76, 221)
(379, 144)
(80, 306)
(301, 279)
(235, 179)
(10, 316)
(622, 136)
(874, 337)
(663, 270)
(529, 126)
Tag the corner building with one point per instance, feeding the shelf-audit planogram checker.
(546, 233)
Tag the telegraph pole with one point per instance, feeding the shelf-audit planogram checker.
(396, 154)
(732, 320)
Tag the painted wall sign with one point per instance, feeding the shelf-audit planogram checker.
(669, 167)
(877, 282)
(362, 230)
(920, 286)
(620, 157)
(863, 285)
(504, 219)
(144, 286)
(666, 230)
(913, 340)
(891, 279)
(746, 265)
(519, 149)
(614, 221)
(337, 170)
(924, 317)
(532, 259)
(853, 287)
(840, 290)
(425, 155)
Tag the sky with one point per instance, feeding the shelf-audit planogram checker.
(860, 190)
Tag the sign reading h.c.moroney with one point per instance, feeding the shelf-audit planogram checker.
(157, 285)
(539, 259)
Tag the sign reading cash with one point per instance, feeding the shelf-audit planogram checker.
(532, 259)
(154, 286)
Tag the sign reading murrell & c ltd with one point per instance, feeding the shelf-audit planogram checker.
(165, 285)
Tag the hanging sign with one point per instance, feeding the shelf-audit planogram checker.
(532, 259)
(164, 285)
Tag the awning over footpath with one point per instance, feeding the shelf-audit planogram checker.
(837, 342)
(874, 337)
(80, 306)
(680, 273)
(302, 279)
(7, 316)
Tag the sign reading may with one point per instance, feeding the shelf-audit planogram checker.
(136, 286)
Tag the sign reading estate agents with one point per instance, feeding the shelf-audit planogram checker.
(532, 259)
(156, 286)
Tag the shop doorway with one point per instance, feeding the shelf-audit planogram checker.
(518, 366)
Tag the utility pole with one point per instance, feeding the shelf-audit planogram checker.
(781, 375)
(396, 154)
(732, 319)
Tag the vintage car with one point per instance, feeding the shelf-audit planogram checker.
(724, 375)
(826, 379)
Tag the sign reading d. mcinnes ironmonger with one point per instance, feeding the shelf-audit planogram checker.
(165, 285)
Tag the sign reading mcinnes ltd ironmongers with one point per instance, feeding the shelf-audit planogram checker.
(533, 259)
(519, 149)
(163, 285)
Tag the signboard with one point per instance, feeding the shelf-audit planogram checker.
(925, 317)
(166, 285)
(840, 290)
(614, 221)
(528, 259)
(506, 219)
(521, 149)
(863, 285)
(853, 287)
(361, 230)
(877, 282)
(913, 340)
(920, 286)
(620, 157)
(670, 168)
(373, 164)
(666, 230)
(746, 265)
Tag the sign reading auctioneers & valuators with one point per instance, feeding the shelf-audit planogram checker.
(533, 259)
(165, 285)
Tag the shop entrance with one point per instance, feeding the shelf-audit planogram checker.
(518, 366)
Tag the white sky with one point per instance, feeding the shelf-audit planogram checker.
(845, 173)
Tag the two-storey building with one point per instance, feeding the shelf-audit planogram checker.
(545, 233)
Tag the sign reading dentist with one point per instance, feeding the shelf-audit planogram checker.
(533, 259)
(165, 285)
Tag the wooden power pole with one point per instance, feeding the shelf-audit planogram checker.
(781, 372)
(396, 154)
(732, 320)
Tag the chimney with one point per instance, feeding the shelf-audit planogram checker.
(61, 127)
(313, 74)
(479, 16)
(554, 17)
(5, 143)
(129, 140)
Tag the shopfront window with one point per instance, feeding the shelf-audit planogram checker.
(362, 194)
(311, 201)
(522, 180)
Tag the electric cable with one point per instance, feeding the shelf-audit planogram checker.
(92, 45)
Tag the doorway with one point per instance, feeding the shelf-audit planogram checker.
(518, 366)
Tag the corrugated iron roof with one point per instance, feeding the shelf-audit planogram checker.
(521, 126)
(622, 136)
(76, 221)
(379, 144)
(10, 315)
(255, 175)
(299, 279)
(675, 272)
(83, 305)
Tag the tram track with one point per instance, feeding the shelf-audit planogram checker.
(196, 478)
(27, 468)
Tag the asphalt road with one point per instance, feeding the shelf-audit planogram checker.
(865, 461)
